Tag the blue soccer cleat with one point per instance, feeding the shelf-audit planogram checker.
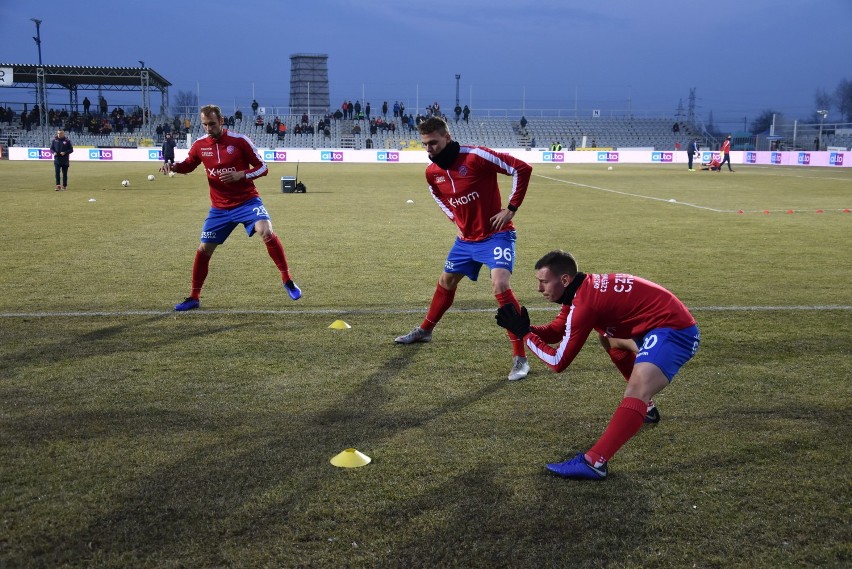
(188, 304)
(293, 291)
(578, 469)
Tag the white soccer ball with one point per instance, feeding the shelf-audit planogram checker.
(125, 183)
(558, 166)
(171, 174)
(609, 168)
(150, 177)
(409, 201)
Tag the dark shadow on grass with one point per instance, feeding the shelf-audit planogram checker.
(158, 513)
(100, 342)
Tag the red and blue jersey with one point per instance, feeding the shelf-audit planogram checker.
(468, 192)
(615, 305)
(228, 153)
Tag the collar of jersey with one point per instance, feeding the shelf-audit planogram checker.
(571, 289)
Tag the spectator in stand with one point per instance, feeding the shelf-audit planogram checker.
(270, 128)
(396, 109)
(357, 109)
(458, 112)
(305, 119)
(573, 144)
(168, 149)
(258, 121)
(254, 106)
(676, 128)
(187, 124)
(366, 111)
(465, 113)
(103, 105)
(86, 104)
(61, 148)
(282, 131)
(401, 108)
(238, 116)
(385, 109)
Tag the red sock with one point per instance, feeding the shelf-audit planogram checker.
(199, 273)
(623, 360)
(442, 300)
(276, 251)
(626, 422)
(508, 297)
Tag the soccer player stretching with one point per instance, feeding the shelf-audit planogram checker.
(648, 333)
(463, 181)
(232, 164)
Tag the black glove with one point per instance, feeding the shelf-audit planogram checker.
(517, 324)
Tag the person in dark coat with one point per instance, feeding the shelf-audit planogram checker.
(61, 148)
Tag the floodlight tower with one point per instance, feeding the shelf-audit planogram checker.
(458, 76)
(41, 97)
(822, 114)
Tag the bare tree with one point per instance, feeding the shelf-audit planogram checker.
(843, 99)
(185, 103)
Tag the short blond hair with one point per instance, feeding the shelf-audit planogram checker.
(207, 110)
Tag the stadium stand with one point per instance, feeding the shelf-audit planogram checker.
(494, 132)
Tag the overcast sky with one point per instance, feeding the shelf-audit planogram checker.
(741, 56)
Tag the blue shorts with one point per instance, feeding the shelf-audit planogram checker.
(668, 349)
(467, 257)
(220, 222)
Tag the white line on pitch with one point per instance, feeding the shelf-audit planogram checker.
(343, 311)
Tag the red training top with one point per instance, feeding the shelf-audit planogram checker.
(228, 153)
(616, 305)
(468, 192)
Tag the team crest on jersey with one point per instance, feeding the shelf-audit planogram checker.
(230, 149)
(463, 171)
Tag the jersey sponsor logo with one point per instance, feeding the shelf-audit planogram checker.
(607, 156)
(440, 179)
(600, 282)
(775, 158)
(464, 200)
(274, 156)
(39, 154)
(208, 235)
(100, 154)
(448, 266)
(804, 158)
(751, 157)
(662, 157)
(835, 159)
(207, 152)
(553, 156)
(155, 155)
(387, 156)
(216, 172)
(623, 283)
(331, 156)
